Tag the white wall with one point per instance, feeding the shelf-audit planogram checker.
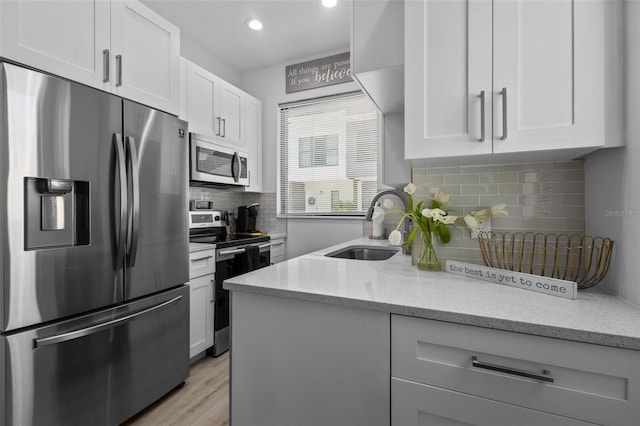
(199, 55)
(307, 235)
(268, 85)
(612, 180)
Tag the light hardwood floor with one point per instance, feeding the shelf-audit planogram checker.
(203, 400)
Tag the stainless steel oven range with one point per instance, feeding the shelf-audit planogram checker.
(236, 254)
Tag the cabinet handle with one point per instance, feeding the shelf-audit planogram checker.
(201, 258)
(219, 125)
(105, 65)
(118, 70)
(224, 127)
(544, 377)
(504, 113)
(482, 129)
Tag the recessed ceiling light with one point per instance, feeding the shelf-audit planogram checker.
(254, 24)
(329, 3)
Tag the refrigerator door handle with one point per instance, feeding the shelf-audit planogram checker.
(134, 176)
(83, 332)
(122, 177)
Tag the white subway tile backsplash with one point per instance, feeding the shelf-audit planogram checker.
(540, 198)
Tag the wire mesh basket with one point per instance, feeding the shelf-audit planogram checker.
(583, 259)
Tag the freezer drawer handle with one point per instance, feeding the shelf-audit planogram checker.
(65, 337)
(544, 377)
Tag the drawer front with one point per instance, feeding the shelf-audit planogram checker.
(590, 382)
(413, 404)
(202, 263)
(277, 248)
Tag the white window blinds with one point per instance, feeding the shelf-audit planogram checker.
(328, 155)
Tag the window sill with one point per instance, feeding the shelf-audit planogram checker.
(323, 217)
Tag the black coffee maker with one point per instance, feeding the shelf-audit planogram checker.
(246, 220)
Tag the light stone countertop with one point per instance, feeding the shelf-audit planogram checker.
(396, 287)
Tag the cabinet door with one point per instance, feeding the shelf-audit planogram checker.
(252, 123)
(546, 56)
(231, 113)
(66, 38)
(447, 68)
(146, 49)
(414, 404)
(202, 108)
(201, 314)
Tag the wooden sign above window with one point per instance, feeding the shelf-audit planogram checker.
(318, 73)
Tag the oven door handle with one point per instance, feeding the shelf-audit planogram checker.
(262, 246)
(233, 251)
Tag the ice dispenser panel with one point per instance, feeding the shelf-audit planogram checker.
(56, 213)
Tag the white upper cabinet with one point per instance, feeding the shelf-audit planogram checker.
(202, 107)
(66, 38)
(231, 114)
(220, 111)
(444, 107)
(252, 119)
(146, 52)
(507, 77)
(117, 46)
(214, 107)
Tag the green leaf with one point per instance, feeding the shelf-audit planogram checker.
(410, 238)
(435, 205)
(444, 234)
(419, 207)
(410, 203)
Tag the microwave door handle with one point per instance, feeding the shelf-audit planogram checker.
(236, 167)
(134, 177)
(76, 334)
(122, 178)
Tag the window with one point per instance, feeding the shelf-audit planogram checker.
(328, 156)
(318, 151)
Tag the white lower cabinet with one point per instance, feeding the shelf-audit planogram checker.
(278, 250)
(201, 314)
(415, 404)
(201, 297)
(461, 374)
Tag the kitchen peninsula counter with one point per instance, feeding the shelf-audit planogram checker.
(394, 286)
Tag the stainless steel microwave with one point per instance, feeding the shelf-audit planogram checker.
(213, 161)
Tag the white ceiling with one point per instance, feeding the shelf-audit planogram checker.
(293, 29)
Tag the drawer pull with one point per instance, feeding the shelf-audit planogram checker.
(544, 377)
(201, 258)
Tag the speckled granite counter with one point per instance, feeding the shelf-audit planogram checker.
(395, 286)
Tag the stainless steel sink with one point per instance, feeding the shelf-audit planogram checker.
(364, 253)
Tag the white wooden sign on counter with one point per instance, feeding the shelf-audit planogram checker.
(537, 283)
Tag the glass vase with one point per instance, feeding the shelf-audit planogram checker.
(428, 260)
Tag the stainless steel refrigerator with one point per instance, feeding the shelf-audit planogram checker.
(93, 253)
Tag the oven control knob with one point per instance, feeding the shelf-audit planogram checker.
(217, 218)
